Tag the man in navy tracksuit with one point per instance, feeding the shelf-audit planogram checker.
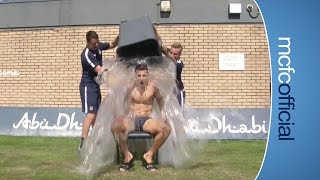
(176, 51)
(174, 54)
(91, 61)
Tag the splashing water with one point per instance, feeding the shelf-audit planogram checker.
(99, 150)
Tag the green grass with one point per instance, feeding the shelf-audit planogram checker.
(56, 158)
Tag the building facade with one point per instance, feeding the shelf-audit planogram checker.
(42, 41)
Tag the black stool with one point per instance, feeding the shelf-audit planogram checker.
(138, 143)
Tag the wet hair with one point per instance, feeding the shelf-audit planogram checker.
(91, 35)
(177, 46)
(141, 67)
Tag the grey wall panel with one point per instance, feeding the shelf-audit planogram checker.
(94, 12)
(31, 14)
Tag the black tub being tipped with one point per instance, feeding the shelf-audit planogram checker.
(137, 39)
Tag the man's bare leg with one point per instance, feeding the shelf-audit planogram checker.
(88, 121)
(160, 130)
(120, 130)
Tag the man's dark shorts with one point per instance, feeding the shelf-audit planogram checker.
(139, 122)
(90, 98)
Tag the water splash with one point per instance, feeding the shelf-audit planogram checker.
(100, 148)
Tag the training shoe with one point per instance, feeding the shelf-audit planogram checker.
(79, 150)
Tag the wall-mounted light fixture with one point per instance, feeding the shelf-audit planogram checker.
(235, 8)
(165, 6)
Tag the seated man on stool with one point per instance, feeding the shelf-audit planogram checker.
(141, 96)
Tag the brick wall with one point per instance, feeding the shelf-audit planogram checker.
(48, 60)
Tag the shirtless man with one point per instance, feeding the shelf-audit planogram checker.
(141, 97)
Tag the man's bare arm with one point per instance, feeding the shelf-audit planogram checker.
(167, 52)
(114, 42)
(159, 99)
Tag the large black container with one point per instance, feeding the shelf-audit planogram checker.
(137, 39)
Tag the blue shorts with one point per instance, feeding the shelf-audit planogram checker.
(139, 122)
(90, 98)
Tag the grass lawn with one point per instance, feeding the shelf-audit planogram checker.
(56, 158)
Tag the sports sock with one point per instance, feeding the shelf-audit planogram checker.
(81, 142)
